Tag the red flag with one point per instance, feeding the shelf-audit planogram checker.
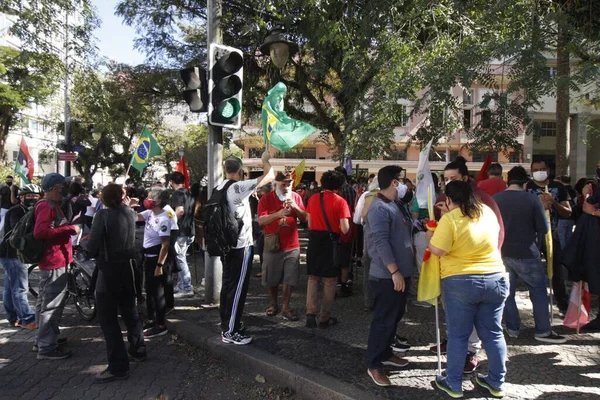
(24, 165)
(483, 173)
(182, 167)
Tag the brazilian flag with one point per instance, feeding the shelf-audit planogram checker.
(146, 148)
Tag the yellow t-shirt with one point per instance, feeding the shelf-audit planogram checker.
(472, 245)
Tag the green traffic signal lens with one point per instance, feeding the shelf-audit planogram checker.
(229, 108)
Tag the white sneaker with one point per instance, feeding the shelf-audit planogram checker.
(236, 338)
(182, 294)
(553, 338)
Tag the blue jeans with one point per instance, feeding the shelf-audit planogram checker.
(185, 278)
(532, 272)
(475, 300)
(564, 230)
(15, 292)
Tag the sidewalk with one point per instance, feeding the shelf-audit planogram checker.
(335, 359)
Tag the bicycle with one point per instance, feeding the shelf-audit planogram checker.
(79, 280)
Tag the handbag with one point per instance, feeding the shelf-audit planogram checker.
(272, 241)
(332, 235)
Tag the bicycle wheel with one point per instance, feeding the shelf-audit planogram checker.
(83, 296)
(32, 289)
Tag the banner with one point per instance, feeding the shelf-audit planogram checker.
(279, 130)
(297, 174)
(24, 165)
(146, 148)
(182, 167)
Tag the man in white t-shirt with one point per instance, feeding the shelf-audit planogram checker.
(239, 260)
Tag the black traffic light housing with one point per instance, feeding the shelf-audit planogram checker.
(195, 93)
(225, 84)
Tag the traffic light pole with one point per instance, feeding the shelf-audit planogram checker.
(213, 269)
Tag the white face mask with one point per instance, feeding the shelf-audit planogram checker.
(312, 187)
(540, 176)
(401, 189)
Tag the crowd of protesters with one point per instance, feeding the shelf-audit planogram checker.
(489, 235)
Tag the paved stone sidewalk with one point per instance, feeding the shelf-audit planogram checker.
(173, 370)
(535, 370)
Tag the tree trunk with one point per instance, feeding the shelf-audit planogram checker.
(4, 129)
(562, 99)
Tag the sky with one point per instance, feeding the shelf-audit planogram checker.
(114, 38)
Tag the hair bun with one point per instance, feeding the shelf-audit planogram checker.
(460, 159)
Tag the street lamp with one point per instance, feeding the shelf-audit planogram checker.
(278, 47)
(181, 152)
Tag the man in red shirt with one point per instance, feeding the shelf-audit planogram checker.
(277, 214)
(51, 226)
(324, 232)
(494, 184)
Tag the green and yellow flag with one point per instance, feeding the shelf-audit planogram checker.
(279, 130)
(146, 148)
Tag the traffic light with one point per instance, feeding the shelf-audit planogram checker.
(226, 74)
(195, 92)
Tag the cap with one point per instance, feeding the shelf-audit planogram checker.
(283, 177)
(51, 180)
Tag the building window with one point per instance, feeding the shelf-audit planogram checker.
(486, 119)
(468, 97)
(515, 157)
(467, 119)
(395, 154)
(404, 115)
(33, 124)
(304, 152)
(480, 156)
(452, 154)
(255, 152)
(547, 129)
(552, 72)
(436, 155)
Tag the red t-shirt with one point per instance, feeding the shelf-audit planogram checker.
(288, 235)
(335, 207)
(492, 186)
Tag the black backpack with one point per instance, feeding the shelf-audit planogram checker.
(21, 237)
(221, 228)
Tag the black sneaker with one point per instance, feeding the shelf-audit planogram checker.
(311, 321)
(401, 339)
(138, 356)
(148, 325)
(56, 354)
(553, 338)
(345, 290)
(400, 348)
(235, 338)
(155, 331)
(107, 376)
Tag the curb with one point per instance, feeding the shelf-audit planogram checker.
(306, 383)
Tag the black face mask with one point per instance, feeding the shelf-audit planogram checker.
(29, 202)
(408, 196)
(9, 183)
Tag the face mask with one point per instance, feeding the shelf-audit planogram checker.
(401, 189)
(149, 204)
(9, 183)
(540, 176)
(408, 197)
(29, 202)
(312, 187)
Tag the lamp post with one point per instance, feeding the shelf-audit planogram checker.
(181, 152)
(278, 47)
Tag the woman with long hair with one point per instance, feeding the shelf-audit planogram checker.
(474, 286)
(112, 242)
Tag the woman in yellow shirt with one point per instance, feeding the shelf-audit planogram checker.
(474, 286)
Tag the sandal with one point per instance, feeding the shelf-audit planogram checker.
(326, 324)
(272, 310)
(289, 316)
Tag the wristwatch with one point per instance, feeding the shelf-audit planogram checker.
(159, 265)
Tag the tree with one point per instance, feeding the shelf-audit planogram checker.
(25, 77)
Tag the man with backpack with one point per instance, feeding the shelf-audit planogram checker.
(183, 205)
(237, 260)
(52, 228)
(17, 308)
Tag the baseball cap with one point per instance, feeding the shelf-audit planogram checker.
(51, 180)
(283, 177)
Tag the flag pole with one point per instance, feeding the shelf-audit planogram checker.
(579, 306)
(438, 339)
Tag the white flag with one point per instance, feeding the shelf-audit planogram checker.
(424, 179)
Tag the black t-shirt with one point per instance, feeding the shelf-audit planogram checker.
(182, 198)
(5, 193)
(558, 192)
(12, 217)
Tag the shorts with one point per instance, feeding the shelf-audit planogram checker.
(282, 267)
(320, 255)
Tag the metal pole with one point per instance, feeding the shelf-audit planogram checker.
(67, 108)
(213, 269)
